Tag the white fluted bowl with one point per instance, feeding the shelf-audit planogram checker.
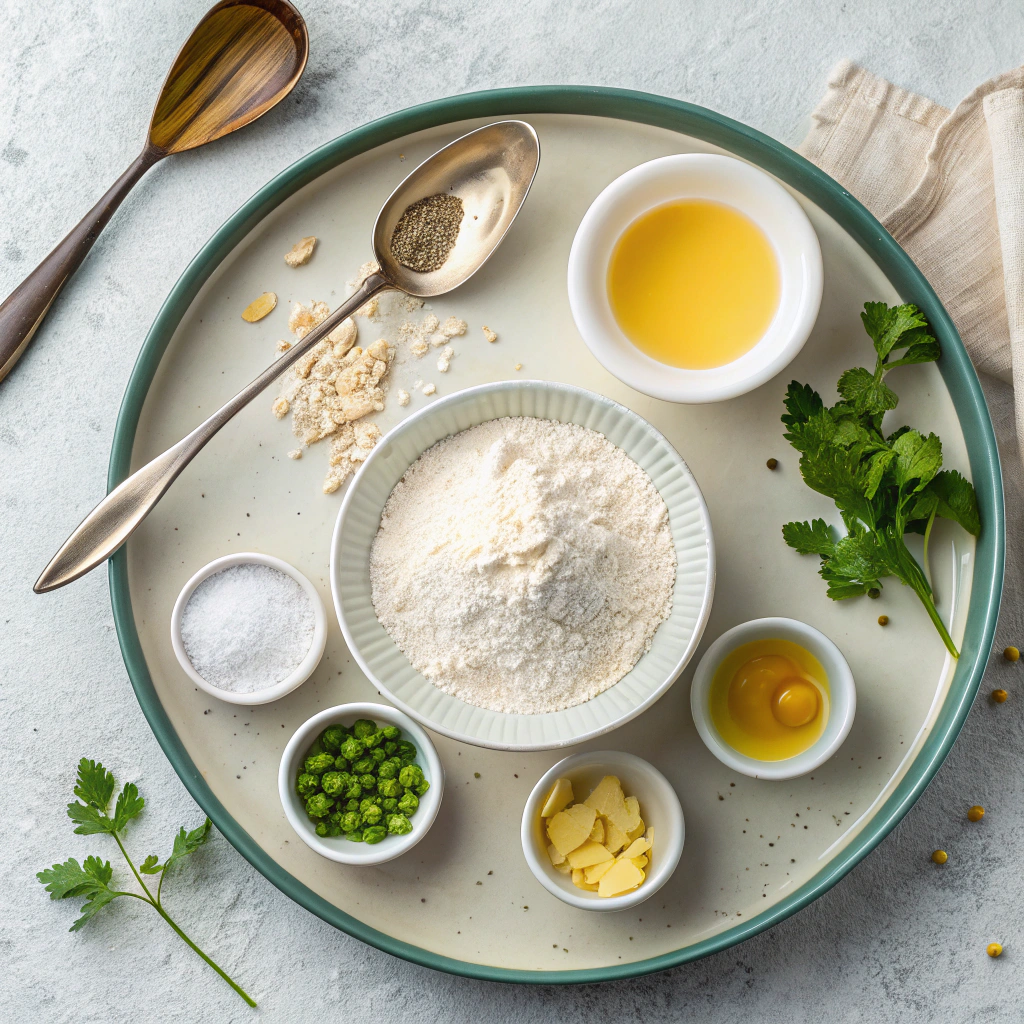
(389, 669)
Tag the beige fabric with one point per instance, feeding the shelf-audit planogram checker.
(949, 186)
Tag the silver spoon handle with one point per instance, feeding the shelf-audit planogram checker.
(121, 512)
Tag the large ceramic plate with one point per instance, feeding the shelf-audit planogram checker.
(756, 851)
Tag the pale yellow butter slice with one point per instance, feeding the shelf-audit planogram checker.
(607, 797)
(587, 854)
(614, 838)
(595, 871)
(556, 857)
(641, 861)
(571, 828)
(580, 881)
(558, 799)
(621, 877)
(635, 849)
(633, 810)
(637, 832)
(597, 832)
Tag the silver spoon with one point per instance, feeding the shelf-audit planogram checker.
(490, 170)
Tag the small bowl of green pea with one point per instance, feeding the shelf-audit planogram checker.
(360, 783)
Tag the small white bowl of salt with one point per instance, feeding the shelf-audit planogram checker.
(248, 628)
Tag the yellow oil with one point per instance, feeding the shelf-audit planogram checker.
(769, 699)
(693, 283)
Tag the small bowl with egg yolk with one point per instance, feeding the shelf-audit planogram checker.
(773, 698)
(656, 803)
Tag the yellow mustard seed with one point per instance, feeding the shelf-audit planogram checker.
(1011, 654)
(976, 813)
(940, 856)
(883, 620)
(994, 949)
(999, 696)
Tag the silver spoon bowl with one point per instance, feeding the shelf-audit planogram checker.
(490, 170)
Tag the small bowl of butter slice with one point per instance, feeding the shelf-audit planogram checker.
(603, 830)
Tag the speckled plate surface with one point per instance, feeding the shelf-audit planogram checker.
(464, 900)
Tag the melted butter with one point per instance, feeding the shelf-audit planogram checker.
(769, 699)
(693, 283)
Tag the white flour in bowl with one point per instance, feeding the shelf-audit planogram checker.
(523, 565)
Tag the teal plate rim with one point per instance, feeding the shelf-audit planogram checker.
(688, 119)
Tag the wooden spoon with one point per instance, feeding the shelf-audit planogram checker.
(244, 57)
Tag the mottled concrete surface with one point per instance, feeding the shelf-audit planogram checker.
(895, 941)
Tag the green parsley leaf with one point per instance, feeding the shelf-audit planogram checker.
(188, 842)
(955, 499)
(63, 881)
(90, 820)
(129, 805)
(802, 402)
(888, 326)
(917, 458)
(95, 784)
(813, 538)
(151, 865)
(91, 879)
(97, 901)
(867, 394)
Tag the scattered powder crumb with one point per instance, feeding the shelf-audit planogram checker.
(280, 408)
(301, 252)
(304, 318)
(332, 386)
(453, 327)
(444, 360)
(523, 565)
(518, 366)
(372, 308)
(295, 453)
(428, 389)
(283, 345)
(349, 447)
(417, 385)
(489, 334)
(403, 396)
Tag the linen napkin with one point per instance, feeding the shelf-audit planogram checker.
(949, 186)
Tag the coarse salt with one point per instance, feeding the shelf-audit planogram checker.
(247, 627)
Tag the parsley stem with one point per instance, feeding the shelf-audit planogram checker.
(138, 877)
(933, 614)
(245, 995)
(924, 555)
(154, 902)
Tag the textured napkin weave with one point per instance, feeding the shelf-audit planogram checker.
(949, 186)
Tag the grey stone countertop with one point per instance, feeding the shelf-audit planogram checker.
(896, 940)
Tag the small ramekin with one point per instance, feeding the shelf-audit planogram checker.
(659, 808)
(302, 671)
(338, 848)
(842, 697)
(722, 179)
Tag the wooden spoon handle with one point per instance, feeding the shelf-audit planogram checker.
(23, 310)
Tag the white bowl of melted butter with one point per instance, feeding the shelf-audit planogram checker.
(695, 278)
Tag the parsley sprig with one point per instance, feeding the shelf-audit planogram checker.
(92, 879)
(884, 485)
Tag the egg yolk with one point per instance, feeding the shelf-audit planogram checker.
(769, 699)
